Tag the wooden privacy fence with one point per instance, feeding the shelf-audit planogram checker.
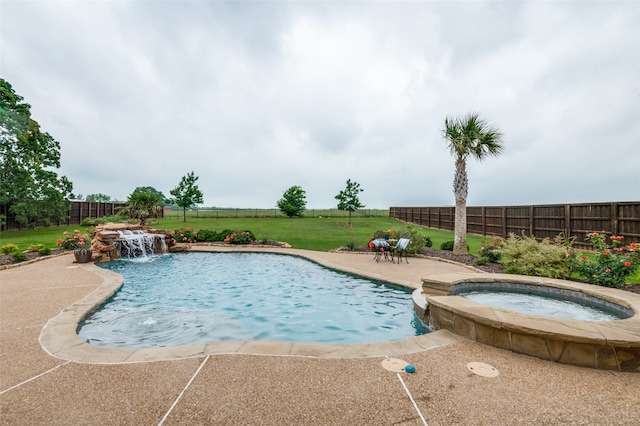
(541, 221)
(79, 211)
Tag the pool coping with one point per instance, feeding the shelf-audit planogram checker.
(59, 336)
(611, 345)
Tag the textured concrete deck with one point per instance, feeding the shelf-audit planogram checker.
(320, 387)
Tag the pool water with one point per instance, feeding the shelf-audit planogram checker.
(540, 305)
(190, 298)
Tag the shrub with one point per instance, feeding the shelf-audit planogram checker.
(244, 237)
(547, 258)
(19, 256)
(427, 241)
(185, 235)
(447, 245)
(74, 241)
(416, 240)
(93, 221)
(207, 236)
(490, 251)
(9, 248)
(89, 221)
(611, 264)
(35, 247)
(45, 251)
(351, 245)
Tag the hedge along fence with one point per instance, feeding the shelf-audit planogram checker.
(541, 221)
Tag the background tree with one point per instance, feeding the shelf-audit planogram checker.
(468, 136)
(186, 194)
(293, 201)
(152, 190)
(142, 205)
(348, 199)
(98, 198)
(35, 194)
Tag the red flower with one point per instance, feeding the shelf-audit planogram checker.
(627, 264)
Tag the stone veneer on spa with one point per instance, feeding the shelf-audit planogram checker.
(607, 345)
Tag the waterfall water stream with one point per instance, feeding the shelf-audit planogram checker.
(139, 243)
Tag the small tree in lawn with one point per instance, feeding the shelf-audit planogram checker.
(293, 201)
(186, 194)
(348, 199)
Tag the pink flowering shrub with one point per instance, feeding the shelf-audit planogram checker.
(611, 264)
(74, 241)
(236, 237)
(185, 235)
(490, 250)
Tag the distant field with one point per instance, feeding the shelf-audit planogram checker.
(222, 213)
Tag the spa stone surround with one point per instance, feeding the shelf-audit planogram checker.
(606, 345)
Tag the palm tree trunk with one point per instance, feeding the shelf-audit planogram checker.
(460, 189)
(460, 236)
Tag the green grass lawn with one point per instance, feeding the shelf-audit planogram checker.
(319, 234)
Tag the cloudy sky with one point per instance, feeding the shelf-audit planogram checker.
(258, 96)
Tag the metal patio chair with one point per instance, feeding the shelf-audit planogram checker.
(401, 247)
(381, 248)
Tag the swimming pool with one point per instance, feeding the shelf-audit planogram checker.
(183, 299)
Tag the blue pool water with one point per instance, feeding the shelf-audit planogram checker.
(182, 299)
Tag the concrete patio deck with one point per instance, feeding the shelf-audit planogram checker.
(251, 385)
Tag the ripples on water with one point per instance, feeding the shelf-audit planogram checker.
(182, 299)
(539, 305)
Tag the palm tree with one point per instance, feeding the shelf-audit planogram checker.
(141, 205)
(468, 136)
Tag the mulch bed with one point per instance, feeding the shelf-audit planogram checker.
(7, 259)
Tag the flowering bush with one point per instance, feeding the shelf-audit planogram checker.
(74, 241)
(244, 237)
(611, 264)
(185, 235)
(490, 250)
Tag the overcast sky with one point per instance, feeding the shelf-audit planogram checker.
(255, 97)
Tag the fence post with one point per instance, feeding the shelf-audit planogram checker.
(567, 220)
(614, 218)
(531, 234)
(504, 222)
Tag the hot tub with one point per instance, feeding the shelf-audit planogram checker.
(609, 345)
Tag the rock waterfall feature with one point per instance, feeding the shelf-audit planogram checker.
(113, 241)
